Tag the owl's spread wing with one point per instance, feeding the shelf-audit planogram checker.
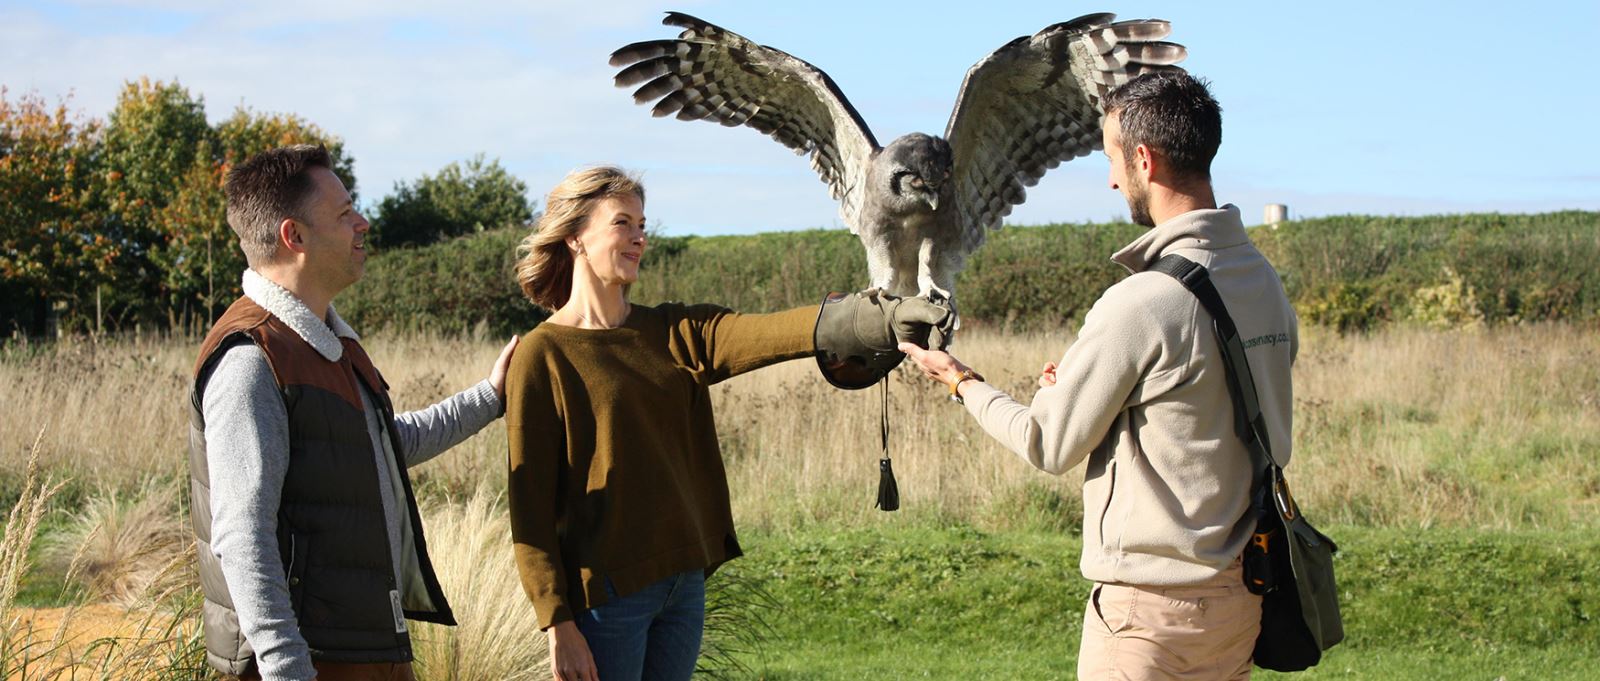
(1036, 102)
(710, 73)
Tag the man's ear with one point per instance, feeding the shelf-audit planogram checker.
(1144, 163)
(291, 235)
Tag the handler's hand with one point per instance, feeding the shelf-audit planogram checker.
(935, 364)
(570, 659)
(497, 375)
(1047, 376)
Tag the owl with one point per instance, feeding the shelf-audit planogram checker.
(923, 204)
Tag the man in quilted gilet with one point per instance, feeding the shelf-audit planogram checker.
(312, 554)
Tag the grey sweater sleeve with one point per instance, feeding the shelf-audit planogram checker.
(247, 450)
(426, 433)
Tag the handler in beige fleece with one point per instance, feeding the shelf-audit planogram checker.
(1142, 396)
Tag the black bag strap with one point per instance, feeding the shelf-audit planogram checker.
(1248, 421)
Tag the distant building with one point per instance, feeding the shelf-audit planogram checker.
(1274, 214)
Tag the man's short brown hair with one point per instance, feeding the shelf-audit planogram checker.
(266, 189)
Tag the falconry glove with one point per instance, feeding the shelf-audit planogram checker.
(857, 334)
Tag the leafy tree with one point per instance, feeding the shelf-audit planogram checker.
(127, 218)
(154, 136)
(247, 133)
(51, 247)
(461, 199)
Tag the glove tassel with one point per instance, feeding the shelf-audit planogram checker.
(888, 490)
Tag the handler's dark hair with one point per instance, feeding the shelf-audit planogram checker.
(1173, 113)
(266, 189)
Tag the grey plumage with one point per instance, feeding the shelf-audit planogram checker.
(922, 204)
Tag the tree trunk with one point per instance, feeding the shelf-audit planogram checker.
(211, 285)
(41, 316)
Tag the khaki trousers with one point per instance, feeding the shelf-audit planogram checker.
(1199, 632)
(344, 671)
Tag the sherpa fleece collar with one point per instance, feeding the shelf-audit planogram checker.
(277, 300)
(1209, 229)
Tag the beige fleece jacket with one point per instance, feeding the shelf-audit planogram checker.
(1142, 395)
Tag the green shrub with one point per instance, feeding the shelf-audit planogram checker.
(1451, 304)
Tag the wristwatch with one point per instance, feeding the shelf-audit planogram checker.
(966, 375)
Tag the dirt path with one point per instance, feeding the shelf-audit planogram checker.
(62, 635)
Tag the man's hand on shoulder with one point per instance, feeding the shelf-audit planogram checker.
(497, 375)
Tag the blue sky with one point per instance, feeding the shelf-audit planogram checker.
(1349, 107)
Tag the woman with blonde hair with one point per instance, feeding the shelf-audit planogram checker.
(619, 499)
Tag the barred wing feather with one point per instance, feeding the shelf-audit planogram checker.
(1036, 102)
(712, 74)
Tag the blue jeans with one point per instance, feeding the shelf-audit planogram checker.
(652, 635)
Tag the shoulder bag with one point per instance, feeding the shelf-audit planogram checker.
(1287, 560)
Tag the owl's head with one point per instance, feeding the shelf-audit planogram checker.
(916, 168)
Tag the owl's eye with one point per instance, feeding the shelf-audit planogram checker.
(916, 182)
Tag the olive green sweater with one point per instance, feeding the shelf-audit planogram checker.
(615, 471)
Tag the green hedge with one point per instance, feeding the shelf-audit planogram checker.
(758, 273)
(451, 286)
(1355, 272)
(1348, 272)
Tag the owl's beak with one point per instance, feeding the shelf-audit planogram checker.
(933, 202)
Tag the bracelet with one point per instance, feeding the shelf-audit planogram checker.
(966, 375)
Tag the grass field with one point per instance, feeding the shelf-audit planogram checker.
(910, 601)
(1457, 469)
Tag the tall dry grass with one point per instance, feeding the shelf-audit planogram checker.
(113, 410)
(800, 451)
(1492, 427)
(498, 635)
(132, 548)
(1404, 427)
(161, 641)
(24, 651)
(116, 409)
(22, 526)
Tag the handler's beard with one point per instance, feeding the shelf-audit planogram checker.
(1138, 197)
